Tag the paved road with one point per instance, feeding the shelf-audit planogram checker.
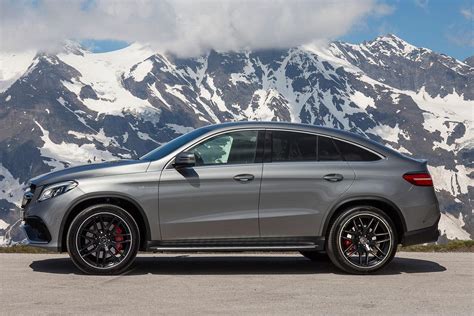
(415, 283)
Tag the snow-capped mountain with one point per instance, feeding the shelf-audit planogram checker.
(75, 107)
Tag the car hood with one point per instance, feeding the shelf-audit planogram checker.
(92, 171)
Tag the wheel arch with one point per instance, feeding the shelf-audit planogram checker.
(383, 204)
(129, 204)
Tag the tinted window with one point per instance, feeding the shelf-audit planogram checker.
(327, 151)
(355, 153)
(290, 146)
(230, 148)
(171, 146)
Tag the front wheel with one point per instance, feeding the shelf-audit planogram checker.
(103, 239)
(361, 240)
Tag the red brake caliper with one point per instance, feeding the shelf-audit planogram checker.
(118, 239)
(346, 243)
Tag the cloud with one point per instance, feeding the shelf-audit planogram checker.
(461, 33)
(468, 13)
(183, 27)
(422, 4)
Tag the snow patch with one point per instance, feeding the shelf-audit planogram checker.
(68, 153)
(142, 69)
(362, 100)
(13, 66)
(451, 226)
(179, 129)
(3, 225)
(10, 187)
(104, 73)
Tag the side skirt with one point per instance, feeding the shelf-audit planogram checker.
(239, 244)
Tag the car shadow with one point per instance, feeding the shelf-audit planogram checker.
(235, 265)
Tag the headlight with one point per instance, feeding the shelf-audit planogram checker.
(56, 189)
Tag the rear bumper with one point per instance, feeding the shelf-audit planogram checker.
(421, 236)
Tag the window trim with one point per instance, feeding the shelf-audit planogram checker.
(258, 156)
(269, 142)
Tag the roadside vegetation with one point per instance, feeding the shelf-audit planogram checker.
(451, 246)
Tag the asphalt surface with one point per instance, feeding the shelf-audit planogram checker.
(414, 283)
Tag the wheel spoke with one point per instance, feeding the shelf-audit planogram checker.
(376, 225)
(380, 250)
(120, 242)
(97, 254)
(89, 252)
(374, 254)
(370, 223)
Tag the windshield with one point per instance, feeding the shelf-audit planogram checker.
(171, 146)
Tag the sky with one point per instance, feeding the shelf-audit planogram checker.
(190, 28)
(445, 26)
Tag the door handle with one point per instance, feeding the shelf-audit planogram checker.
(333, 177)
(244, 177)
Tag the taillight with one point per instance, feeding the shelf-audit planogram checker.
(421, 179)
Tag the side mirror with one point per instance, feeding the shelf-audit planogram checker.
(184, 159)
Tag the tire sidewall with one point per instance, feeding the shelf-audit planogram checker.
(86, 214)
(334, 251)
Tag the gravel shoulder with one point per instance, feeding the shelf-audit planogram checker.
(414, 283)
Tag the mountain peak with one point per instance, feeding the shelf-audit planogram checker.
(393, 43)
(73, 47)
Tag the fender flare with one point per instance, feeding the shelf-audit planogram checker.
(351, 199)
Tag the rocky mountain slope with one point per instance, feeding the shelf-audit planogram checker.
(75, 107)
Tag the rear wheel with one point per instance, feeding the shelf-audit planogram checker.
(103, 239)
(362, 240)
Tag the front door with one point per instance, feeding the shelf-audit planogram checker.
(219, 196)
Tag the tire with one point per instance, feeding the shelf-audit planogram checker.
(103, 239)
(361, 240)
(314, 255)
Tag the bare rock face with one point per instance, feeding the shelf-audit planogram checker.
(78, 107)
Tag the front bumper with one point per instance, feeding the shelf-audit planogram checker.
(42, 221)
(421, 236)
(36, 230)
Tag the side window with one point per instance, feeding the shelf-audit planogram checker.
(355, 153)
(327, 151)
(292, 146)
(230, 148)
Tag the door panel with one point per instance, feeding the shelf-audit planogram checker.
(218, 197)
(295, 196)
(207, 202)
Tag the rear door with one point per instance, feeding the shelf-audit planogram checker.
(303, 175)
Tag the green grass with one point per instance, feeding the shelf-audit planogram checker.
(22, 249)
(451, 246)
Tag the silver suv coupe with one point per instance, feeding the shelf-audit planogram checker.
(236, 187)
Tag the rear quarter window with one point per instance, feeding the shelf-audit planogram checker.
(352, 152)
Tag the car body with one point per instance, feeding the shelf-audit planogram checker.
(240, 186)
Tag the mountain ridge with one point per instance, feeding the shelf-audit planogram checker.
(77, 107)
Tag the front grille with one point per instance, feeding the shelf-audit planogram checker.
(36, 230)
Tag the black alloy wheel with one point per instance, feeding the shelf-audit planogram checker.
(362, 239)
(103, 239)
